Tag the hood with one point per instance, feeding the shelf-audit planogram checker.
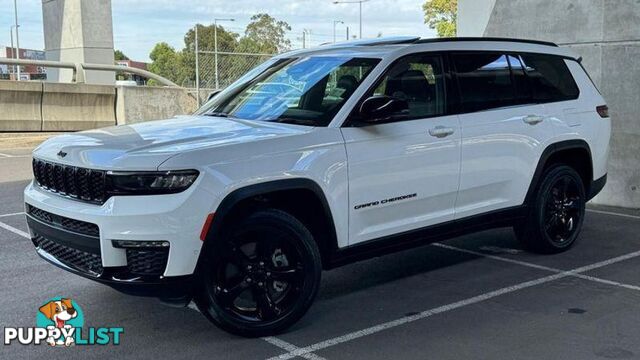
(145, 146)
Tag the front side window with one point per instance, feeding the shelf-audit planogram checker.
(418, 80)
(305, 91)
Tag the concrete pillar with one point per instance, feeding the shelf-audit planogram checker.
(79, 31)
(607, 35)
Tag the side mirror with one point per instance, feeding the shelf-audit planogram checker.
(382, 108)
(213, 94)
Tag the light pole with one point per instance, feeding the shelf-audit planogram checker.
(359, 2)
(215, 45)
(13, 50)
(334, 28)
(15, 12)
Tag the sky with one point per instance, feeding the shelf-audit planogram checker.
(139, 24)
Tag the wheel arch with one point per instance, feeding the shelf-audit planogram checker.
(576, 153)
(323, 228)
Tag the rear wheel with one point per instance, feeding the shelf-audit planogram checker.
(262, 276)
(557, 213)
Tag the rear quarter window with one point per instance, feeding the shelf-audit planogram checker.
(549, 78)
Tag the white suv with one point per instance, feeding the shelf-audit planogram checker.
(321, 157)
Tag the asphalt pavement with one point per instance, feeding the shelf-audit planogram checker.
(475, 297)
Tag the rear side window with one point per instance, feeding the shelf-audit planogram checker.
(549, 78)
(485, 81)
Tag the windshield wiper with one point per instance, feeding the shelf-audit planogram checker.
(293, 121)
(218, 114)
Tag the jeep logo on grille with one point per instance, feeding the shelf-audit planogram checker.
(61, 154)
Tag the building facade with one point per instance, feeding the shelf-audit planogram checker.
(607, 35)
(28, 72)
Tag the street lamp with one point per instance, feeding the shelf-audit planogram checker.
(334, 28)
(15, 13)
(359, 2)
(13, 49)
(215, 45)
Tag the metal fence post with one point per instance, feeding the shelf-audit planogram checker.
(197, 69)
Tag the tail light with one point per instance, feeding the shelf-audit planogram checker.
(603, 111)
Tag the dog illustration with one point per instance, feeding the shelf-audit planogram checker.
(59, 312)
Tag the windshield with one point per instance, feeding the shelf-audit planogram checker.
(306, 91)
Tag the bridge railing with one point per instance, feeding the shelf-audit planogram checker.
(79, 68)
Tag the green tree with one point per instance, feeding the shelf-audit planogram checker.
(264, 35)
(227, 42)
(267, 34)
(441, 15)
(119, 55)
(166, 62)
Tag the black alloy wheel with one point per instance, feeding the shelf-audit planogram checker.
(556, 213)
(263, 276)
(563, 209)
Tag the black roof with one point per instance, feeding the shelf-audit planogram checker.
(397, 40)
(448, 39)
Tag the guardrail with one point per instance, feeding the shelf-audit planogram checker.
(79, 68)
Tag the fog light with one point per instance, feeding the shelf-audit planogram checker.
(130, 244)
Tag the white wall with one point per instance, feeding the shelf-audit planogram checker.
(473, 16)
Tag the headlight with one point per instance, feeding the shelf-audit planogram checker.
(148, 183)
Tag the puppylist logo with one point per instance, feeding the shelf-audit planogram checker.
(59, 323)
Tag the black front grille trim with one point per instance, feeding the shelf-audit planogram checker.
(84, 261)
(147, 261)
(77, 226)
(77, 183)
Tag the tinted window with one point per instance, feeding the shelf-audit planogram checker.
(484, 80)
(419, 80)
(520, 81)
(550, 78)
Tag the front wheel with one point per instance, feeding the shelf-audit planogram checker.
(261, 276)
(555, 219)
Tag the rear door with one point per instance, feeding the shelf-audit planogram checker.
(503, 131)
(404, 174)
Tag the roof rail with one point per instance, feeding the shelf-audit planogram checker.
(447, 39)
(391, 40)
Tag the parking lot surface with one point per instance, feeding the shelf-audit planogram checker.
(475, 297)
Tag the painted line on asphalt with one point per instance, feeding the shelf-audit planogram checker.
(290, 348)
(8, 156)
(614, 213)
(12, 214)
(445, 308)
(14, 230)
(536, 266)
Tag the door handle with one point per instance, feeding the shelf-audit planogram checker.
(533, 119)
(441, 131)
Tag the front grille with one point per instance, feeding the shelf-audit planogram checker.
(77, 226)
(76, 182)
(87, 262)
(148, 261)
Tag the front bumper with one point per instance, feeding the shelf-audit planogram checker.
(174, 289)
(79, 237)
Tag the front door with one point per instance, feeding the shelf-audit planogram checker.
(404, 174)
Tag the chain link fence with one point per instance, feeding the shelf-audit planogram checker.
(215, 74)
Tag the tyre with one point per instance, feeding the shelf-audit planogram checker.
(261, 276)
(556, 214)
